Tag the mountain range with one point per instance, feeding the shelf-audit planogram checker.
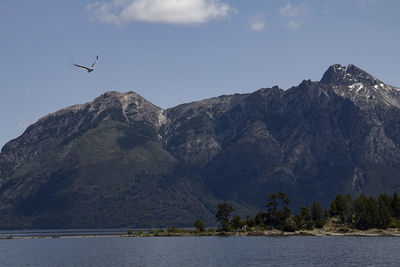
(121, 161)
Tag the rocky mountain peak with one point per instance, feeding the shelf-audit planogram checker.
(361, 87)
(77, 118)
(114, 99)
(133, 107)
(111, 96)
(345, 75)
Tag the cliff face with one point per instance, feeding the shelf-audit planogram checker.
(121, 161)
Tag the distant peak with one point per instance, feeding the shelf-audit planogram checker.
(119, 94)
(338, 74)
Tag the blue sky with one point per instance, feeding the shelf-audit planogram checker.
(176, 51)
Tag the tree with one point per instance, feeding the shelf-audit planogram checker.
(395, 210)
(199, 225)
(238, 223)
(395, 205)
(318, 214)
(366, 213)
(303, 219)
(361, 219)
(342, 206)
(384, 204)
(260, 219)
(250, 223)
(223, 215)
(278, 211)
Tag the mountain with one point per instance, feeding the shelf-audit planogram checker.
(121, 161)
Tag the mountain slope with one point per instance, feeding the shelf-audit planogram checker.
(102, 164)
(121, 161)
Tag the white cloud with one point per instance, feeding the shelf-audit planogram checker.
(257, 22)
(294, 15)
(257, 25)
(290, 11)
(181, 12)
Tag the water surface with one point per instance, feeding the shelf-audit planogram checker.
(202, 251)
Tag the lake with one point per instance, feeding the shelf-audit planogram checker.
(201, 251)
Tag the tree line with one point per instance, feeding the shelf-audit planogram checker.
(362, 213)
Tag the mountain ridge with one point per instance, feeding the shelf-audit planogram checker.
(147, 166)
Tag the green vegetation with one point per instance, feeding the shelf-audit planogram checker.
(111, 181)
(173, 230)
(318, 215)
(224, 216)
(199, 225)
(362, 213)
(278, 214)
(237, 223)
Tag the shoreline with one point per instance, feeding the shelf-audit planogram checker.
(271, 233)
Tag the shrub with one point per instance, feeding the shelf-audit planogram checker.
(199, 225)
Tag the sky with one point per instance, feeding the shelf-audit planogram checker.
(176, 51)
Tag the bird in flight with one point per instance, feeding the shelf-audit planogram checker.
(89, 69)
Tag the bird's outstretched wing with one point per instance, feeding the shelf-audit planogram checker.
(97, 57)
(80, 66)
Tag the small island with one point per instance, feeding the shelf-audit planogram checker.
(364, 216)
